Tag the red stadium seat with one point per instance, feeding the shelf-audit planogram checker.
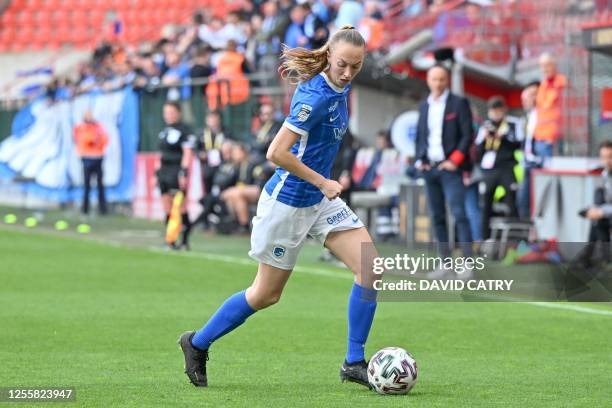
(42, 18)
(25, 18)
(8, 18)
(131, 17)
(78, 17)
(25, 34)
(52, 5)
(8, 35)
(33, 5)
(79, 37)
(62, 34)
(95, 17)
(18, 46)
(18, 4)
(60, 18)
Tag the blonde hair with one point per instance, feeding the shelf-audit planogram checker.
(300, 64)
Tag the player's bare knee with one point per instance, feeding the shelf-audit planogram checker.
(260, 298)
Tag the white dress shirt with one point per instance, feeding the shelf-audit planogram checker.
(435, 121)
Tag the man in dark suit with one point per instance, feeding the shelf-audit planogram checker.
(444, 136)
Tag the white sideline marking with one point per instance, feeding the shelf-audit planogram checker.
(574, 308)
(248, 262)
(331, 274)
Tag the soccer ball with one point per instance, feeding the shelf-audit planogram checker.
(392, 370)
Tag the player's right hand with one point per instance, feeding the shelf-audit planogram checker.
(331, 189)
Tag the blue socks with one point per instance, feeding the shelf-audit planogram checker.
(361, 308)
(232, 313)
(235, 310)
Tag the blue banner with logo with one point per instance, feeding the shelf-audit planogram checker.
(40, 156)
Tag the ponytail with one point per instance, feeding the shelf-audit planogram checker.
(300, 64)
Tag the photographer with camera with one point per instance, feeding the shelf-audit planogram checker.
(496, 142)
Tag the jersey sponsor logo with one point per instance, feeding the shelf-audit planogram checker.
(339, 133)
(333, 107)
(278, 251)
(355, 220)
(340, 216)
(304, 112)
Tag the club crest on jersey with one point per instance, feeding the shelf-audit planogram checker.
(304, 112)
(278, 251)
(333, 107)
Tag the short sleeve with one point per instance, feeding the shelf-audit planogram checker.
(188, 139)
(307, 111)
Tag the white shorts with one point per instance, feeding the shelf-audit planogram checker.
(279, 230)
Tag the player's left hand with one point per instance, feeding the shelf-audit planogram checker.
(595, 213)
(331, 189)
(447, 165)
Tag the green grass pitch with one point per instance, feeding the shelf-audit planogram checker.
(104, 318)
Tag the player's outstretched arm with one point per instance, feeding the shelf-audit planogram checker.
(280, 154)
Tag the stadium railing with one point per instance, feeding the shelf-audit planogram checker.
(237, 118)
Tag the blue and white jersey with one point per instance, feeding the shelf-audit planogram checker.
(319, 114)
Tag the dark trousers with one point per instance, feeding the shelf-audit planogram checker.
(208, 174)
(93, 167)
(444, 186)
(492, 178)
(599, 234)
(524, 193)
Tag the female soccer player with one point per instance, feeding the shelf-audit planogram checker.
(300, 200)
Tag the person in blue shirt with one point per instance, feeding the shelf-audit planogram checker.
(299, 200)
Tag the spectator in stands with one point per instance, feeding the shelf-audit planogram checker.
(372, 26)
(350, 13)
(600, 213)
(251, 45)
(224, 177)
(229, 85)
(315, 29)
(530, 160)
(213, 35)
(265, 130)
(549, 107)
(91, 141)
(176, 73)
(322, 9)
(233, 30)
(148, 75)
(188, 41)
(273, 29)
(246, 187)
(209, 148)
(295, 35)
(269, 38)
(444, 137)
(201, 67)
(496, 143)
